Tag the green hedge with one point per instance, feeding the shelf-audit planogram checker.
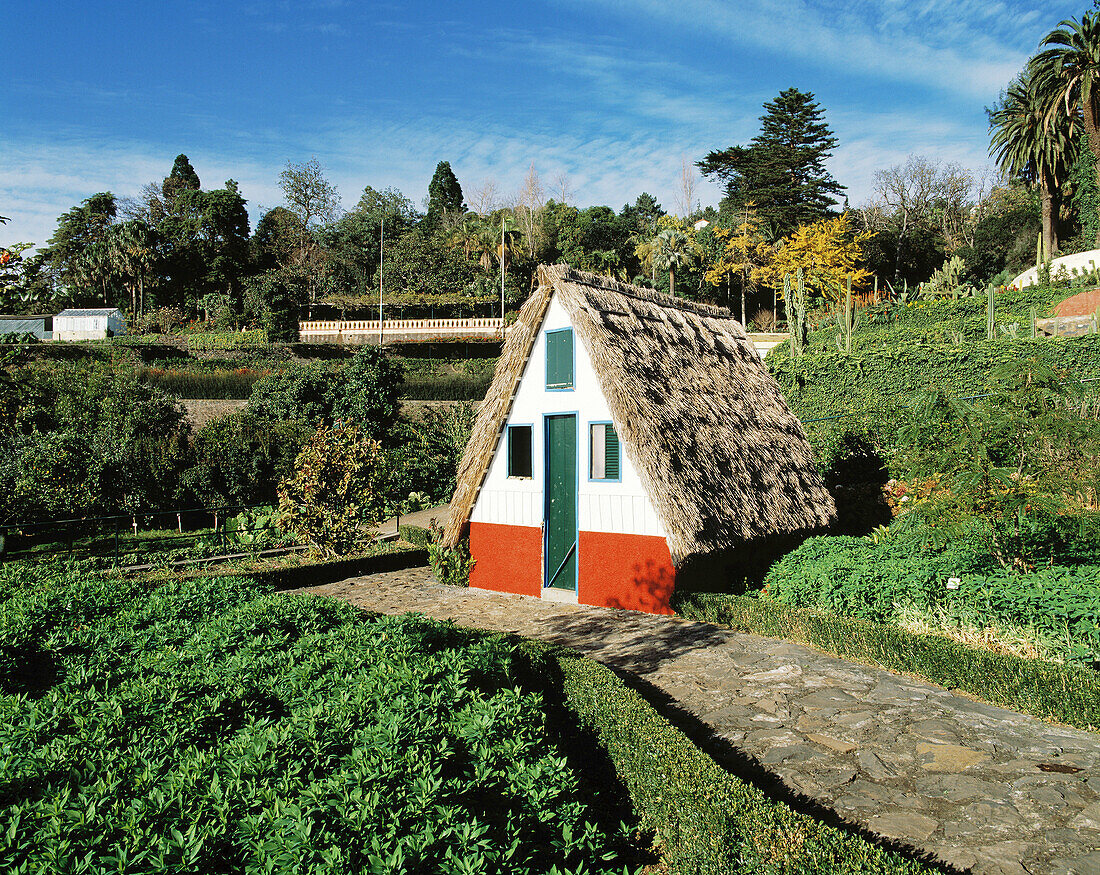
(450, 387)
(252, 339)
(414, 535)
(706, 820)
(853, 577)
(236, 383)
(1066, 693)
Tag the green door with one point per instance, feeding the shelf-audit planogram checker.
(561, 502)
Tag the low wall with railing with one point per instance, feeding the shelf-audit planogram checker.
(366, 330)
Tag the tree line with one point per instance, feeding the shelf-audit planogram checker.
(178, 251)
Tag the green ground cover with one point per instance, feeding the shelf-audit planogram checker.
(994, 545)
(203, 724)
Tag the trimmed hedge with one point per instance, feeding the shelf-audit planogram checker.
(252, 339)
(421, 537)
(706, 820)
(1066, 693)
(236, 383)
(450, 387)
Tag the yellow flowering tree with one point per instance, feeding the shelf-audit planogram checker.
(745, 256)
(828, 252)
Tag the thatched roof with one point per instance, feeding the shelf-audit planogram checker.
(720, 454)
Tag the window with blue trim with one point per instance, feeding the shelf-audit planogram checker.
(559, 359)
(519, 451)
(603, 451)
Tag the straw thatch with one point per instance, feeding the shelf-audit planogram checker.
(720, 454)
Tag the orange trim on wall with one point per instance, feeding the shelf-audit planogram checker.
(625, 571)
(507, 558)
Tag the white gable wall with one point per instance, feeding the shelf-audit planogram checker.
(621, 507)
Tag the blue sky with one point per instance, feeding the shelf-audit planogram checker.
(610, 94)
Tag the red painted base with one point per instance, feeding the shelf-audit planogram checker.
(634, 572)
(625, 571)
(507, 558)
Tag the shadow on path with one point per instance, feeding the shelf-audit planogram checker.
(749, 769)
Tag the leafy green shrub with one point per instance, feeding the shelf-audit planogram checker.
(430, 449)
(450, 565)
(202, 727)
(338, 491)
(1006, 467)
(368, 393)
(855, 577)
(254, 528)
(1066, 693)
(241, 458)
(253, 339)
(116, 444)
(301, 391)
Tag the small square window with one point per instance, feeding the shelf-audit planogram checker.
(603, 451)
(559, 359)
(519, 451)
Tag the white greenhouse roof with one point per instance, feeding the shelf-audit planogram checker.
(103, 311)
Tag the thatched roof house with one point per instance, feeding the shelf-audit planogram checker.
(704, 430)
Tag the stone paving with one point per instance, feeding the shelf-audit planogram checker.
(976, 787)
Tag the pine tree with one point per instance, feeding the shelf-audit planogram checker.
(782, 171)
(444, 197)
(182, 178)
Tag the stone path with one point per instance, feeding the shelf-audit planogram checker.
(977, 787)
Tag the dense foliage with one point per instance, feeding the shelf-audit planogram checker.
(988, 453)
(782, 171)
(337, 492)
(202, 727)
(1056, 605)
(98, 436)
(79, 441)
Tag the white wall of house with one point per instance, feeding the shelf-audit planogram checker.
(621, 507)
(92, 326)
(1081, 262)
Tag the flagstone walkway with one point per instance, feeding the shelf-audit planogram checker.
(977, 787)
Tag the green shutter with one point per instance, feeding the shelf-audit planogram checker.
(610, 453)
(559, 359)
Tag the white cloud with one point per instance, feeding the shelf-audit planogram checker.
(971, 48)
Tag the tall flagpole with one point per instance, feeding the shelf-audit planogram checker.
(502, 275)
(381, 246)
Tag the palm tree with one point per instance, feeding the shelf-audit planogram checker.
(1068, 74)
(605, 260)
(672, 250)
(467, 235)
(133, 244)
(1026, 147)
